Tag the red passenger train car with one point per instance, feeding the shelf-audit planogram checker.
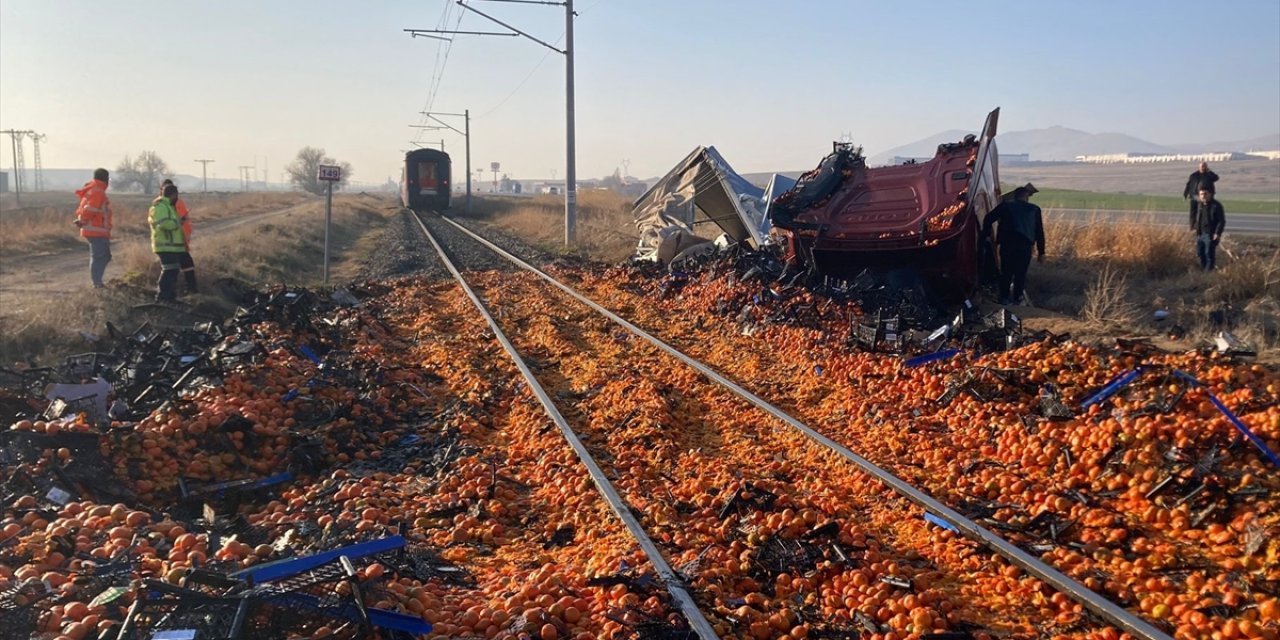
(425, 185)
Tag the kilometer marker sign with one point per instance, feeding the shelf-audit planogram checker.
(329, 173)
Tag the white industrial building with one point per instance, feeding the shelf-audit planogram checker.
(1152, 158)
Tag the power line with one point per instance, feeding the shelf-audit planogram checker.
(36, 138)
(571, 187)
(437, 72)
(541, 60)
(19, 164)
(522, 82)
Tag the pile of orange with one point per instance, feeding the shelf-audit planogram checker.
(1199, 563)
(777, 538)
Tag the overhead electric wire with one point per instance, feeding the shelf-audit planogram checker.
(536, 67)
(437, 71)
(522, 82)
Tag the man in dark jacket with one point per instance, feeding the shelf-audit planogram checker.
(1207, 221)
(1019, 226)
(1200, 179)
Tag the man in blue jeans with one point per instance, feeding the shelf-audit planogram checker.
(93, 218)
(1207, 221)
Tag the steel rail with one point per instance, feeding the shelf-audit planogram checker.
(1109, 611)
(675, 584)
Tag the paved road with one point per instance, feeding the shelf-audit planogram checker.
(1257, 224)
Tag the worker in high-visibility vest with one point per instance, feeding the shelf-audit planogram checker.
(187, 264)
(93, 217)
(167, 242)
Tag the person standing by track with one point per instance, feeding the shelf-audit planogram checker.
(188, 266)
(1208, 219)
(167, 242)
(1018, 227)
(93, 218)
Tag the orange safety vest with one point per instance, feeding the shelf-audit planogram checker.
(185, 215)
(94, 212)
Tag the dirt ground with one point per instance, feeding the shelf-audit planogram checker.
(28, 276)
(1244, 179)
(46, 298)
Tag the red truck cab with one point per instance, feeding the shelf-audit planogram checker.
(843, 216)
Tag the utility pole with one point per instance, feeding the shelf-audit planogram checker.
(246, 177)
(204, 173)
(571, 187)
(36, 138)
(15, 138)
(466, 114)
(17, 186)
(570, 169)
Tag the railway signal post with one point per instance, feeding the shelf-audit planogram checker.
(329, 173)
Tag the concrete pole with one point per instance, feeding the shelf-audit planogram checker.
(328, 220)
(571, 175)
(15, 182)
(466, 113)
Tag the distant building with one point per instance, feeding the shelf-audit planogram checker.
(4, 182)
(1153, 158)
(1270, 155)
(1015, 157)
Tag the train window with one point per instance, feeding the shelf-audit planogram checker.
(427, 177)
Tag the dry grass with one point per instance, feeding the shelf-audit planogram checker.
(53, 327)
(284, 250)
(1107, 303)
(44, 223)
(1114, 275)
(606, 229)
(1138, 246)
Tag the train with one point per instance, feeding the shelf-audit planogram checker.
(427, 181)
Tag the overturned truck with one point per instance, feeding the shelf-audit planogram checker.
(843, 216)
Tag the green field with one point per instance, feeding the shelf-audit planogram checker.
(1068, 199)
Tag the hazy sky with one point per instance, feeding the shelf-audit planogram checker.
(770, 84)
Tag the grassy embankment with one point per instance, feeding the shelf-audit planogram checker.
(1113, 276)
(44, 222)
(287, 249)
(606, 228)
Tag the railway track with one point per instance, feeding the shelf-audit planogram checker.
(877, 538)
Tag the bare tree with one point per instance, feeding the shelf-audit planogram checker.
(302, 171)
(146, 171)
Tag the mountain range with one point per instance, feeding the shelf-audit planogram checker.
(1058, 144)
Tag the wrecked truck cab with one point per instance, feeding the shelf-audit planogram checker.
(843, 216)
